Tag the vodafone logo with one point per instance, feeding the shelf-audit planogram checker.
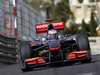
(41, 28)
(57, 24)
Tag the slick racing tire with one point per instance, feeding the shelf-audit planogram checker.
(24, 53)
(83, 43)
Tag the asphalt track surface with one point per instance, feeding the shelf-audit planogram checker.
(77, 69)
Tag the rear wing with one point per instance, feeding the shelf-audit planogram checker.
(43, 27)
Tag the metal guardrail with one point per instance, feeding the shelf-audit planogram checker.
(7, 50)
(8, 59)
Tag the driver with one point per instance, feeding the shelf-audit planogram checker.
(52, 33)
(53, 41)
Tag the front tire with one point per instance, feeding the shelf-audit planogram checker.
(83, 43)
(24, 53)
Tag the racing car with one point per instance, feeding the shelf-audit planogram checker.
(54, 49)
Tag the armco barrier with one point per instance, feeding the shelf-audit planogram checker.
(95, 45)
(7, 49)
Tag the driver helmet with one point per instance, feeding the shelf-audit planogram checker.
(51, 29)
